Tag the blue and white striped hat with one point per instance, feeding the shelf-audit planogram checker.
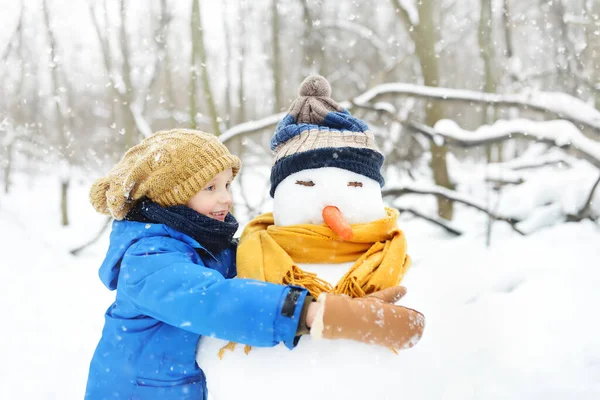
(318, 133)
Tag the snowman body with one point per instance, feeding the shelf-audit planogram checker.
(315, 369)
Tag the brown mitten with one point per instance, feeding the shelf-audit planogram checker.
(373, 319)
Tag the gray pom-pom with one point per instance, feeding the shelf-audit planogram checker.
(315, 85)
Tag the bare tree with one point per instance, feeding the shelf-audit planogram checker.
(130, 126)
(507, 29)
(15, 44)
(243, 10)
(165, 22)
(62, 119)
(228, 48)
(424, 37)
(123, 92)
(313, 59)
(199, 56)
(592, 50)
(276, 61)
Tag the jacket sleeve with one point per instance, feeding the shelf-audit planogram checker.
(165, 279)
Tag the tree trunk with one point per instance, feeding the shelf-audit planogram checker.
(243, 11)
(168, 79)
(199, 55)
(313, 47)
(60, 117)
(487, 54)
(276, 62)
(593, 45)
(8, 167)
(507, 29)
(424, 37)
(130, 129)
(64, 210)
(225, 14)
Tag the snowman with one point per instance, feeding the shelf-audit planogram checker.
(330, 233)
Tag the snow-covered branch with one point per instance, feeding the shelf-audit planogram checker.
(542, 160)
(585, 210)
(557, 133)
(435, 220)
(556, 103)
(448, 194)
(251, 126)
(140, 122)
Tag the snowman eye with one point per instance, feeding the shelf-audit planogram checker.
(355, 184)
(305, 183)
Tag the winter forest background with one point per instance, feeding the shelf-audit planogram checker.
(487, 112)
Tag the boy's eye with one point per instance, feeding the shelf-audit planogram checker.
(210, 188)
(355, 184)
(228, 185)
(305, 183)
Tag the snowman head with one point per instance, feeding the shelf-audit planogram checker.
(324, 157)
(302, 196)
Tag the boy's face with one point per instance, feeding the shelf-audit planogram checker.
(215, 199)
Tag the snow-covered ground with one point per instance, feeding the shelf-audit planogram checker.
(517, 320)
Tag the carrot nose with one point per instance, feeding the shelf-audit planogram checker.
(334, 218)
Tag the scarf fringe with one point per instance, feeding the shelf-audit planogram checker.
(307, 280)
(229, 346)
(350, 287)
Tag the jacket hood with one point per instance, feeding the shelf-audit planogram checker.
(126, 233)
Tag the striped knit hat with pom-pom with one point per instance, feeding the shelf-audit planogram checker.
(169, 167)
(317, 132)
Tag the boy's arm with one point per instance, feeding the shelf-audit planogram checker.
(163, 282)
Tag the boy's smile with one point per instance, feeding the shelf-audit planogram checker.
(220, 215)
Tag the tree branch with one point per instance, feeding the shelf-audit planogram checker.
(93, 240)
(435, 220)
(585, 210)
(553, 103)
(12, 37)
(251, 126)
(452, 196)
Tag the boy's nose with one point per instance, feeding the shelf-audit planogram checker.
(226, 197)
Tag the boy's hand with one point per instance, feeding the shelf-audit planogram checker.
(373, 319)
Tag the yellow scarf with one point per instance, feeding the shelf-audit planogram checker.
(270, 253)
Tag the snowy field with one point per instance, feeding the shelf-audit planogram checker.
(518, 320)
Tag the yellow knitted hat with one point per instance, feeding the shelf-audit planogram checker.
(169, 167)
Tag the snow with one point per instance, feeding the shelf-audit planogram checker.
(566, 185)
(411, 10)
(560, 133)
(560, 104)
(512, 321)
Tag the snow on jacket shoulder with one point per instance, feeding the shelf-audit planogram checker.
(170, 290)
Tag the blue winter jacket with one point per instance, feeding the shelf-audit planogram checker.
(170, 291)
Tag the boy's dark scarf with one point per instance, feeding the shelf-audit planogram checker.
(211, 233)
